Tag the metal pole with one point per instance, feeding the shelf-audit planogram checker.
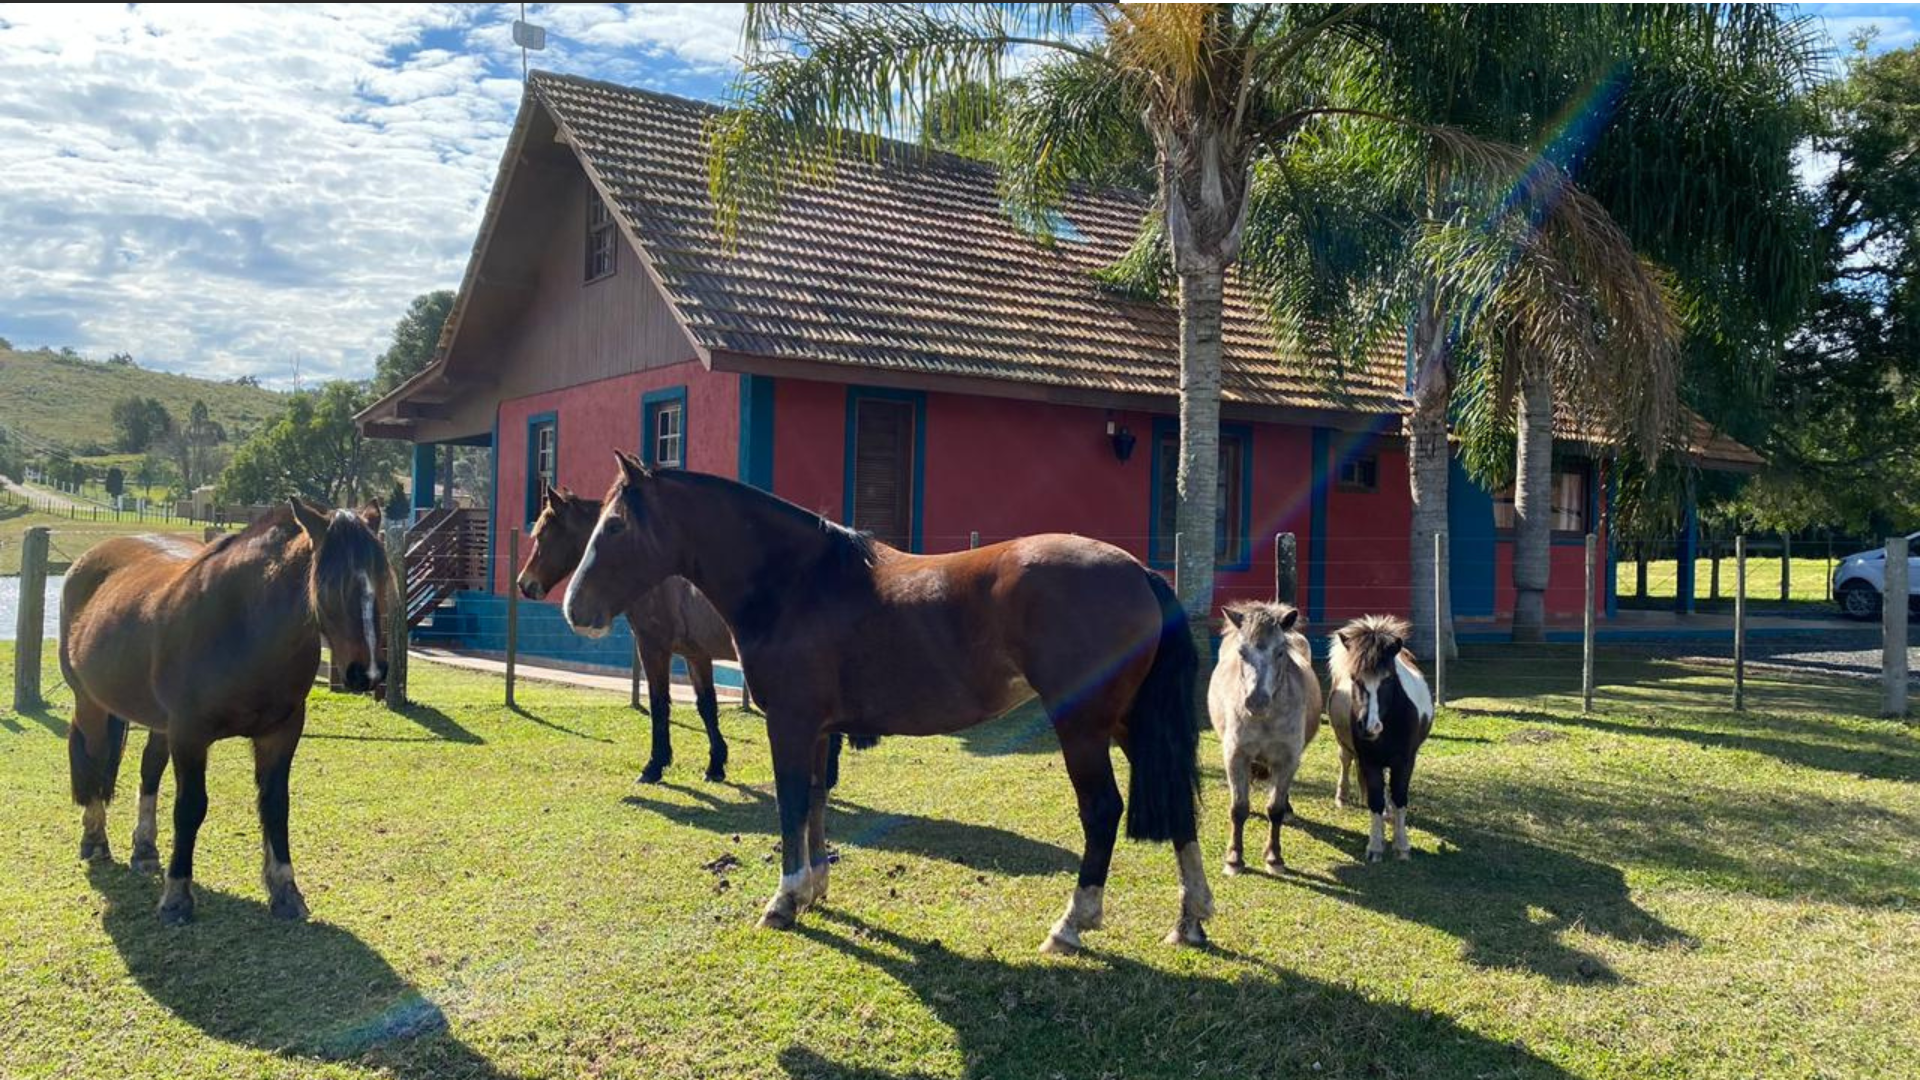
(30, 619)
(1786, 566)
(397, 629)
(1286, 568)
(973, 539)
(1740, 623)
(1439, 620)
(1586, 632)
(513, 612)
(1893, 628)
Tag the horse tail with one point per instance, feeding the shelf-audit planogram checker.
(93, 770)
(1163, 732)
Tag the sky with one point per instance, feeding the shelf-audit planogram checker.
(260, 189)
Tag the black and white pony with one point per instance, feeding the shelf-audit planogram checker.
(1381, 711)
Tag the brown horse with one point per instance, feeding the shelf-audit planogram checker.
(198, 643)
(842, 634)
(673, 618)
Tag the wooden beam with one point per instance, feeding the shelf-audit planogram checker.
(422, 410)
(388, 429)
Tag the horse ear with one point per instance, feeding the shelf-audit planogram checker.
(550, 495)
(1234, 616)
(311, 521)
(1394, 645)
(370, 517)
(1292, 616)
(631, 468)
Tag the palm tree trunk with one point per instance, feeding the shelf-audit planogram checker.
(1533, 509)
(1198, 481)
(1428, 463)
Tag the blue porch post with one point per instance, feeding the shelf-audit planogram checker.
(423, 466)
(1684, 552)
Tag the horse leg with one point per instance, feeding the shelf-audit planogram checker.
(658, 664)
(825, 775)
(1277, 807)
(1239, 783)
(146, 830)
(1401, 781)
(1373, 779)
(189, 810)
(1090, 767)
(793, 749)
(700, 668)
(272, 766)
(1340, 785)
(94, 742)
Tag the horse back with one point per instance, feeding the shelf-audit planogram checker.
(111, 618)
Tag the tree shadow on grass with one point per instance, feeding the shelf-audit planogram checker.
(1892, 754)
(297, 990)
(43, 715)
(1508, 901)
(522, 712)
(1114, 1016)
(982, 847)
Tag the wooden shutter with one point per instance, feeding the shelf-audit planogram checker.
(883, 470)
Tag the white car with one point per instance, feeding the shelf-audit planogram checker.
(1862, 578)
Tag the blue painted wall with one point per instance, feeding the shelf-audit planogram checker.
(1470, 544)
(479, 621)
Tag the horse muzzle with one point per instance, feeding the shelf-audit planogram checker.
(357, 679)
(532, 589)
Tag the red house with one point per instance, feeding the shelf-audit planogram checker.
(892, 351)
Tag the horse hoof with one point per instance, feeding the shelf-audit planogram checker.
(1061, 943)
(1402, 854)
(95, 851)
(716, 774)
(772, 919)
(1375, 855)
(651, 774)
(146, 859)
(1188, 932)
(288, 904)
(1233, 868)
(176, 911)
(1276, 864)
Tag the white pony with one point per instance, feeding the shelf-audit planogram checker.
(1264, 701)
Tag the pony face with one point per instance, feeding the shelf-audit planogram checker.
(622, 560)
(559, 540)
(1366, 657)
(1264, 640)
(348, 587)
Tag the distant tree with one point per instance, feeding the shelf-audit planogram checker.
(194, 446)
(116, 481)
(245, 380)
(415, 337)
(315, 450)
(153, 470)
(6, 345)
(138, 423)
(121, 359)
(397, 504)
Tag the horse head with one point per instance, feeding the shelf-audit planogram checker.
(624, 556)
(1263, 638)
(559, 540)
(1363, 658)
(347, 586)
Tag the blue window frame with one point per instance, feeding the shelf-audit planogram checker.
(543, 458)
(663, 428)
(1234, 501)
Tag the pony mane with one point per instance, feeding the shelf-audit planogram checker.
(855, 548)
(1367, 645)
(1262, 618)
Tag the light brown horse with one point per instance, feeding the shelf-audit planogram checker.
(673, 618)
(842, 634)
(198, 643)
(1264, 701)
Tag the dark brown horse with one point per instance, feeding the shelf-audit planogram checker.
(842, 634)
(198, 643)
(673, 618)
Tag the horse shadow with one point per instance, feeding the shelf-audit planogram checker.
(982, 847)
(299, 990)
(1025, 729)
(1506, 900)
(1113, 1016)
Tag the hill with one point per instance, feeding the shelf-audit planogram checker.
(69, 400)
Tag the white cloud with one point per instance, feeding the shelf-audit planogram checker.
(1894, 31)
(221, 188)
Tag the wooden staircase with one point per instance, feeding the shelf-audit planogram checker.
(446, 554)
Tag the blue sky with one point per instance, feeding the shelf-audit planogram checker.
(249, 189)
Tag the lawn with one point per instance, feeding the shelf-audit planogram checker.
(1808, 579)
(1655, 891)
(71, 536)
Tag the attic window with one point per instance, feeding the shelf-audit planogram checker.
(600, 245)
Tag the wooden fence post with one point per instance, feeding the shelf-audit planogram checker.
(1286, 569)
(30, 619)
(1740, 623)
(513, 613)
(1586, 631)
(1893, 628)
(1713, 555)
(973, 539)
(1439, 619)
(397, 628)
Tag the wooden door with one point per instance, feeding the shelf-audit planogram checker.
(883, 438)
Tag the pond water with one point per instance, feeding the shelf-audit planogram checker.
(10, 606)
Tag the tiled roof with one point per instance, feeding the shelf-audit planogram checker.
(908, 263)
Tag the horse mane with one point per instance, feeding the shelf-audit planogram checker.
(1367, 646)
(855, 547)
(280, 518)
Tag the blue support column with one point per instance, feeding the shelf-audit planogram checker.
(1613, 545)
(1686, 550)
(423, 468)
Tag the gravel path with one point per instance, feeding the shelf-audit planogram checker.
(1853, 653)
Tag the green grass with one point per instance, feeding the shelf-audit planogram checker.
(70, 402)
(1808, 578)
(1660, 890)
(71, 536)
